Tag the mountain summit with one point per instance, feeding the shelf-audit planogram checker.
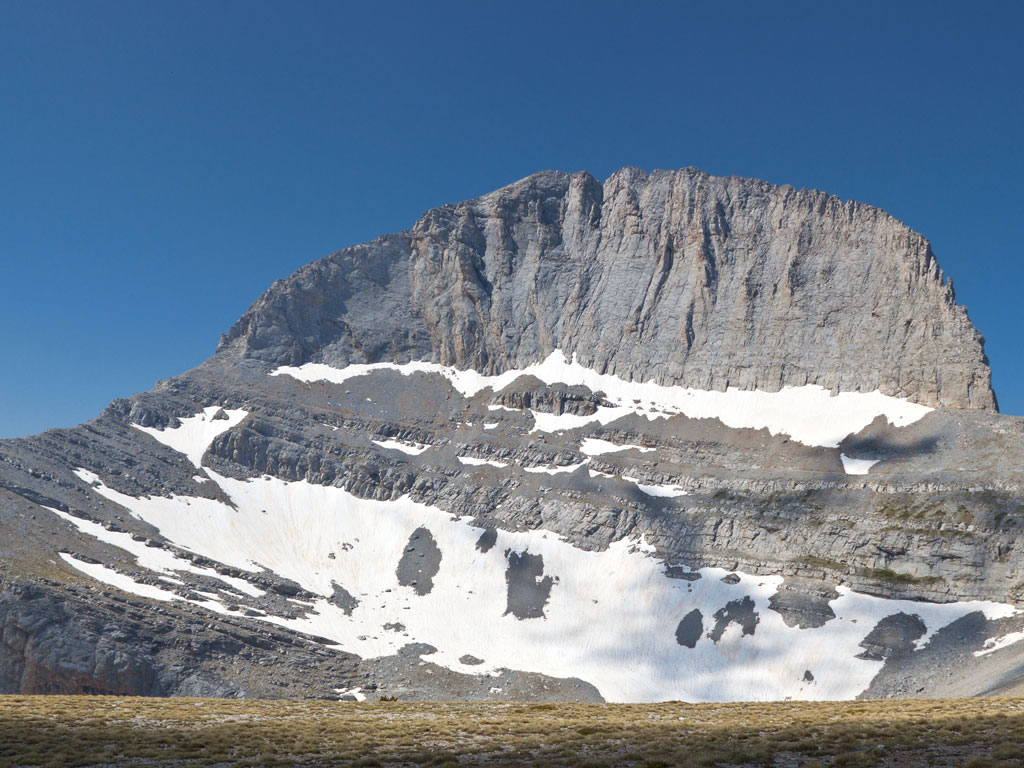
(678, 277)
(672, 436)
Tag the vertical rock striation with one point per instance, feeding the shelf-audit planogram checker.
(676, 276)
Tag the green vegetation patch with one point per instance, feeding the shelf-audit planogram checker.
(895, 577)
(822, 562)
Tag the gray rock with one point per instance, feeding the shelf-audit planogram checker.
(690, 628)
(528, 588)
(740, 612)
(804, 603)
(675, 276)
(420, 562)
(678, 277)
(893, 635)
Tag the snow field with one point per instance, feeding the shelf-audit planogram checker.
(808, 414)
(152, 558)
(610, 618)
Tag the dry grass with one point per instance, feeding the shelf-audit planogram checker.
(106, 731)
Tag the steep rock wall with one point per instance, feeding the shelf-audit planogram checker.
(680, 277)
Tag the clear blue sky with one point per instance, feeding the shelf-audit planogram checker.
(162, 163)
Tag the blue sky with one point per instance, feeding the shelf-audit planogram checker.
(163, 163)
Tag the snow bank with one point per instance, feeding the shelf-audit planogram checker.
(593, 446)
(413, 449)
(475, 462)
(809, 414)
(857, 466)
(196, 433)
(994, 644)
(557, 470)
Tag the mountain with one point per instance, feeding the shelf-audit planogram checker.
(670, 436)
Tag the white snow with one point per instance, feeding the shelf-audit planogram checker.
(118, 580)
(91, 478)
(610, 618)
(562, 422)
(994, 644)
(557, 470)
(668, 491)
(809, 414)
(490, 424)
(665, 490)
(153, 558)
(593, 446)
(356, 693)
(414, 449)
(475, 462)
(196, 433)
(857, 466)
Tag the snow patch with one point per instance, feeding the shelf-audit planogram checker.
(154, 558)
(809, 414)
(556, 470)
(89, 478)
(196, 433)
(118, 580)
(356, 693)
(666, 491)
(857, 466)
(413, 449)
(994, 644)
(475, 462)
(593, 446)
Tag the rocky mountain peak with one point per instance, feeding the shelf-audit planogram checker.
(676, 276)
(454, 463)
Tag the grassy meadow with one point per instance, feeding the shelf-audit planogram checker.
(109, 731)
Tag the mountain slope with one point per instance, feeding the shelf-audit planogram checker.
(669, 437)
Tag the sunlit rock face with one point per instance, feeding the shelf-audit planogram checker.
(673, 276)
(670, 437)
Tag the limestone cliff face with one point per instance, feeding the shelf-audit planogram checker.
(677, 276)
